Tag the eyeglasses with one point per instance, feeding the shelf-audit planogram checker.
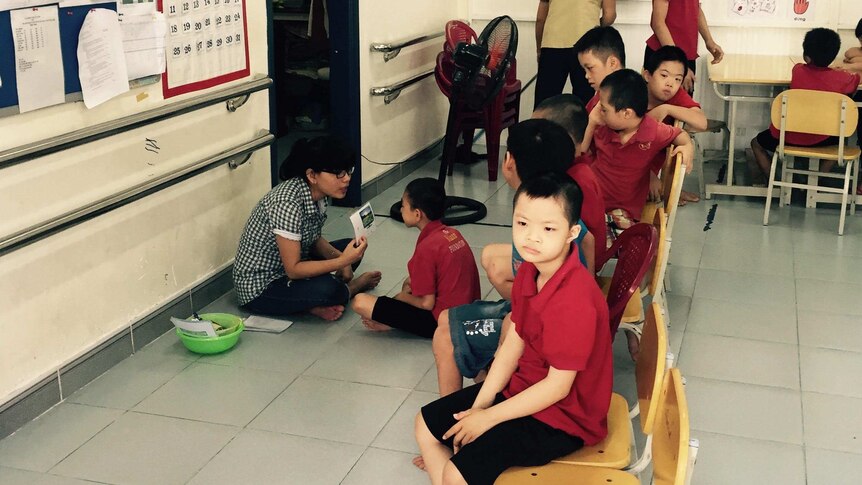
(339, 174)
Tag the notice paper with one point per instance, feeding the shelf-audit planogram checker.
(101, 60)
(38, 60)
(362, 221)
(13, 4)
(144, 43)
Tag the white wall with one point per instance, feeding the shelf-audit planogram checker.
(67, 293)
(393, 133)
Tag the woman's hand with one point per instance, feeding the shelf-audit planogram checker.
(354, 251)
(471, 424)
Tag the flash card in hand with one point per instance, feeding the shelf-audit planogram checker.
(362, 220)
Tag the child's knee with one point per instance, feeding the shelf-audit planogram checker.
(420, 429)
(364, 304)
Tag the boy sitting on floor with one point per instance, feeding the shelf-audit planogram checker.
(549, 388)
(626, 142)
(819, 49)
(441, 274)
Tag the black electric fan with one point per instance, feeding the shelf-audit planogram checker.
(480, 72)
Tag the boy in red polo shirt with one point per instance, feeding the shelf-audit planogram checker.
(548, 390)
(600, 52)
(441, 274)
(626, 142)
(664, 73)
(819, 49)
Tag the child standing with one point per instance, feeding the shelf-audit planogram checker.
(548, 390)
(441, 274)
(819, 48)
(626, 143)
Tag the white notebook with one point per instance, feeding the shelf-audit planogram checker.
(257, 323)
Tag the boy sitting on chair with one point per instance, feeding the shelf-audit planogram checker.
(441, 274)
(819, 49)
(549, 388)
(626, 143)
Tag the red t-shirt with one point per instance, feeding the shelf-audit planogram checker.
(443, 265)
(593, 207)
(592, 102)
(565, 325)
(684, 100)
(681, 21)
(806, 76)
(623, 170)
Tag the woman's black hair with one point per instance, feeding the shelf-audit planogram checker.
(859, 29)
(324, 153)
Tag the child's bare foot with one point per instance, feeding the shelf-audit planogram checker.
(634, 344)
(686, 197)
(375, 326)
(329, 313)
(419, 462)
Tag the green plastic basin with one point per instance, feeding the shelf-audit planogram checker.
(214, 345)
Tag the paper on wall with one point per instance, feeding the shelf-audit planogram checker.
(101, 60)
(38, 59)
(13, 4)
(362, 220)
(144, 43)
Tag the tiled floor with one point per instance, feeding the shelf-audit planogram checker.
(766, 323)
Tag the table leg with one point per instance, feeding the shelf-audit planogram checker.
(731, 125)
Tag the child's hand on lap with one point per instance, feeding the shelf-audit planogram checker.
(471, 424)
(654, 187)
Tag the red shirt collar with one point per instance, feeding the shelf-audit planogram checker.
(539, 299)
(428, 229)
(646, 132)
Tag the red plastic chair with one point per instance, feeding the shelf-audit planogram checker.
(457, 32)
(501, 113)
(634, 249)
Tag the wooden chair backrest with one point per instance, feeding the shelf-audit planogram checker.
(815, 112)
(650, 366)
(662, 253)
(673, 174)
(670, 445)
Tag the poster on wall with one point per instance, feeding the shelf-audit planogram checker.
(206, 44)
(793, 10)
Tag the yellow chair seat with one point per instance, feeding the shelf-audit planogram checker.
(823, 153)
(559, 474)
(634, 312)
(615, 450)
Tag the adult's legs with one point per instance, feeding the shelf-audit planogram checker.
(323, 296)
(552, 72)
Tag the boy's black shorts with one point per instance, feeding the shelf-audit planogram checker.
(404, 316)
(770, 143)
(520, 442)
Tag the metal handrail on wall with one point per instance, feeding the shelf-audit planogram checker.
(389, 93)
(235, 157)
(391, 50)
(109, 128)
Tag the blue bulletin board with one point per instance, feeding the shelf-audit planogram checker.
(71, 19)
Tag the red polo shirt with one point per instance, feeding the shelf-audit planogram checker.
(592, 102)
(443, 265)
(623, 170)
(684, 100)
(681, 21)
(806, 76)
(593, 207)
(565, 325)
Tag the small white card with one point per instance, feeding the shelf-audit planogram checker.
(257, 323)
(198, 328)
(362, 220)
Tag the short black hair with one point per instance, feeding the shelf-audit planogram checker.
(568, 111)
(627, 89)
(858, 31)
(555, 186)
(666, 53)
(821, 46)
(604, 42)
(428, 195)
(327, 152)
(540, 146)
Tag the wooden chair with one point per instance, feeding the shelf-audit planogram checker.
(671, 464)
(819, 113)
(615, 450)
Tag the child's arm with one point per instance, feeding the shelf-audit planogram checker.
(425, 302)
(711, 46)
(504, 365)
(693, 117)
(541, 16)
(657, 22)
(609, 12)
(851, 53)
(852, 65)
(686, 148)
(595, 119)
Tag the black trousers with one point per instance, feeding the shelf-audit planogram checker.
(555, 65)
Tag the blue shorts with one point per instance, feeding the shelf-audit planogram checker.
(475, 330)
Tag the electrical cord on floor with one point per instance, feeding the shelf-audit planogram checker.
(389, 164)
